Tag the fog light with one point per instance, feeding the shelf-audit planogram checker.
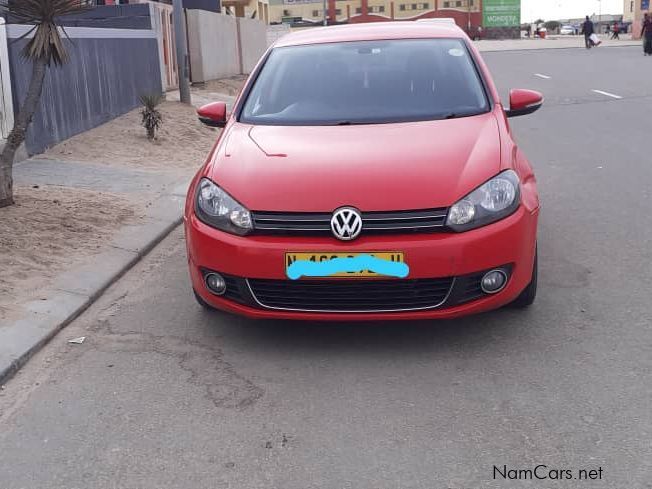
(215, 283)
(493, 281)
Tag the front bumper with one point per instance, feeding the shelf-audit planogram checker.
(508, 243)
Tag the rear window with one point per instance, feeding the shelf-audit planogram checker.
(368, 82)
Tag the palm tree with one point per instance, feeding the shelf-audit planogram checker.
(44, 47)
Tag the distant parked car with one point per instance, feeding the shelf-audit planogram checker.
(567, 30)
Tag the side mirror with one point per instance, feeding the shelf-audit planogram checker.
(523, 102)
(213, 115)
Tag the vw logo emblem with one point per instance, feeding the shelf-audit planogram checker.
(346, 223)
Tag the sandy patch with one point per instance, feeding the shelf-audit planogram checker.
(230, 86)
(183, 142)
(48, 229)
(52, 229)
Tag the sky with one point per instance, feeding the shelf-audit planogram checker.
(564, 9)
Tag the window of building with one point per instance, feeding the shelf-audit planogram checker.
(358, 10)
(414, 6)
(458, 3)
(401, 7)
(315, 13)
(286, 13)
(338, 11)
(447, 5)
(381, 8)
(425, 6)
(631, 6)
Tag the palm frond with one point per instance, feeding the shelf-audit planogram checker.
(46, 43)
(151, 101)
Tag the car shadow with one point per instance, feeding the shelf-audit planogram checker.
(474, 333)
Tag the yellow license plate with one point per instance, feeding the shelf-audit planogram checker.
(319, 257)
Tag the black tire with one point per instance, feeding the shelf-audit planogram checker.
(528, 295)
(202, 302)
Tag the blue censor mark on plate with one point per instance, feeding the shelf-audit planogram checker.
(306, 268)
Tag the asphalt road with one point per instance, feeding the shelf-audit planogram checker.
(165, 395)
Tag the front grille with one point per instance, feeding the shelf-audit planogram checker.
(233, 290)
(319, 223)
(469, 288)
(351, 295)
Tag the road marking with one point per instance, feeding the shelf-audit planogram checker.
(607, 94)
(545, 77)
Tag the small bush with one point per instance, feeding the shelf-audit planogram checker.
(152, 118)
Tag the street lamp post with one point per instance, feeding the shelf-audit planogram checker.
(468, 4)
(325, 15)
(182, 57)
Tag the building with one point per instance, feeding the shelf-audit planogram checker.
(465, 12)
(485, 18)
(633, 11)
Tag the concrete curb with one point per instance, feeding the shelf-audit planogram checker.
(76, 290)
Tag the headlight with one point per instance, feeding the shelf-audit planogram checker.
(218, 209)
(492, 201)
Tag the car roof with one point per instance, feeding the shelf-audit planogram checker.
(371, 32)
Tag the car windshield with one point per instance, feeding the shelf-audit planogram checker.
(368, 82)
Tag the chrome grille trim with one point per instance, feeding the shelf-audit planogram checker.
(426, 220)
(348, 311)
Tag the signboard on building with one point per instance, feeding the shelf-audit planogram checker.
(501, 13)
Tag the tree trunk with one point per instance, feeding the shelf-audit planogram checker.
(17, 134)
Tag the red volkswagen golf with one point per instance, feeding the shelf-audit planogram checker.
(366, 172)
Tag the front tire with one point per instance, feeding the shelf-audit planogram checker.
(528, 296)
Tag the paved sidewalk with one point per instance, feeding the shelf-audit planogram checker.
(160, 194)
(561, 42)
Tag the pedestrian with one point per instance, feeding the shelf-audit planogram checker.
(528, 29)
(616, 31)
(588, 30)
(646, 34)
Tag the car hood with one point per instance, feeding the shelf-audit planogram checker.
(402, 166)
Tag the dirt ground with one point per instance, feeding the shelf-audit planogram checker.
(48, 229)
(52, 228)
(182, 142)
(230, 86)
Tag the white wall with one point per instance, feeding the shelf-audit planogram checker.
(222, 45)
(253, 42)
(212, 44)
(6, 104)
